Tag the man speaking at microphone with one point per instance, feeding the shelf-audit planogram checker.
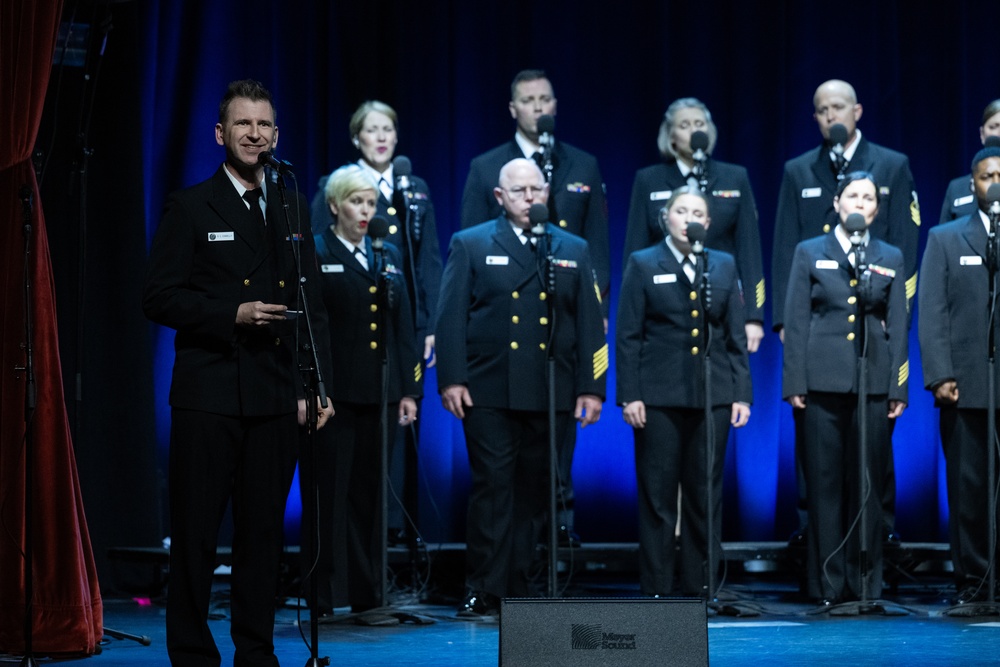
(222, 273)
(954, 319)
(577, 204)
(494, 329)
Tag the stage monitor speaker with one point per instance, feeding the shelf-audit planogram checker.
(577, 632)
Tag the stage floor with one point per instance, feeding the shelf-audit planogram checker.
(784, 633)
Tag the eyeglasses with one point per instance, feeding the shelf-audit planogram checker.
(519, 192)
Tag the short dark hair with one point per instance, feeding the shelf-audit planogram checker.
(527, 75)
(246, 88)
(984, 153)
(992, 109)
(858, 175)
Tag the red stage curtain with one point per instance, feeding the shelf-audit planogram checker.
(67, 600)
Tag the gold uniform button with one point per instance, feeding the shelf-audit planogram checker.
(694, 313)
(543, 321)
(373, 345)
(515, 319)
(826, 228)
(391, 210)
(281, 283)
(694, 333)
(543, 296)
(693, 295)
(373, 326)
(850, 336)
(562, 223)
(513, 345)
(374, 307)
(852, 300)
(694, 350)
(854, 282)
(515, 295)
(850, 318)
(541, 346)
(372, 289)
(246, 282)
(393, 228)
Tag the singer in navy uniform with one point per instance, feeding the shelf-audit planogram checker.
(223, 275)
(577, 204)
(834, 314)
(959, 199)
(954, 320)
(810, 180)
(733, 211)
(493, 335)
(369, 315)
(374, 133)
(661, 369)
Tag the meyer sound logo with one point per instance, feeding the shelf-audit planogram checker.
(591, 637)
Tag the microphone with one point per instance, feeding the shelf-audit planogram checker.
(546, 130)
(699, 145)
(402, 169)
(267, 159)
(378, 229)
(838, 137)
(696, 237)
(538, 214)
(855, 226)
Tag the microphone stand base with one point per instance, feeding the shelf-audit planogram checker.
(863, 608)
(971, 609)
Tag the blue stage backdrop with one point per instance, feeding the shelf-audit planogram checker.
(446, 68)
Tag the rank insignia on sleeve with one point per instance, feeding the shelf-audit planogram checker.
(601, 361)
(760, 293)
(904, 374)
(915, 210)
(418, 372)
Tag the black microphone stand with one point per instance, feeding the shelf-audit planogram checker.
(314, 390)
(864, 605)
(989, 607)
(548, 276)
(28, 660)
(382, 282)
(705, 300)
(700, 170)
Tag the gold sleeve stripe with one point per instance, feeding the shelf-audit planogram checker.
(915, 212)
(597, 291)
(601, 361)
(418, 372)
(911, 286)
(904, 373)
(760, 293)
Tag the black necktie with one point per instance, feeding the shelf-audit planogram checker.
(688, 266)
(256, 214)
(361, 257)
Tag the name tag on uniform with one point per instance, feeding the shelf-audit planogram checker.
(661, 195)
(331, 268)
(827, 264)
(497, 260)
(664, 278)
(962, 201)
(812, 193)
(970, 260)
(221, 236)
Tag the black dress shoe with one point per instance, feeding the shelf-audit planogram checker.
(567, 538)
(969, 594)
(478, 604)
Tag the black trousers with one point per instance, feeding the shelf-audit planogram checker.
(831, 464)
(215, 459)
(343, 487)
(509, 461)
(963, 437)
(670, 453)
